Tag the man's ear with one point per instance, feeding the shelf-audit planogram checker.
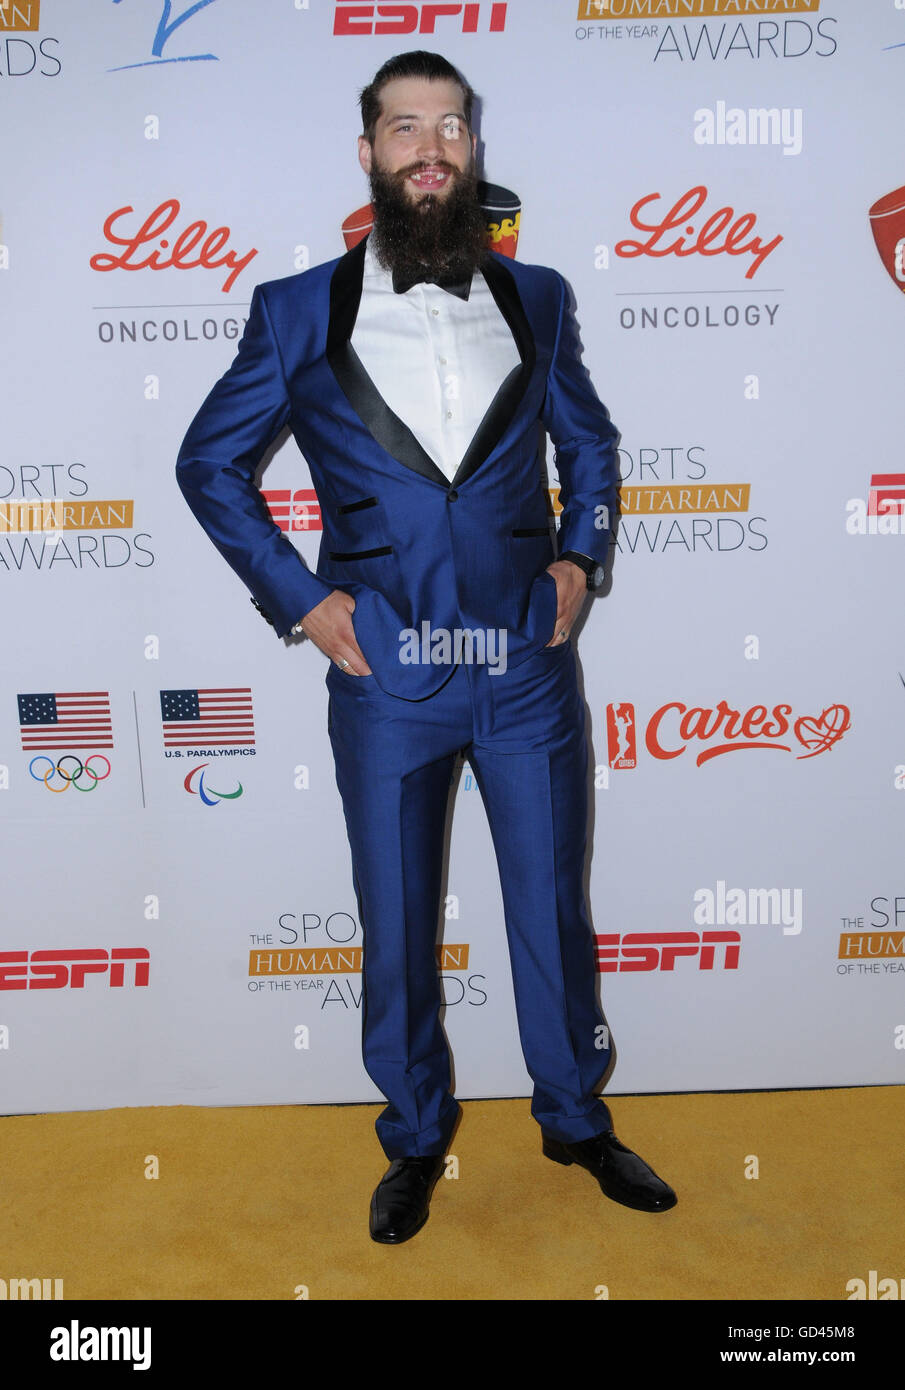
(365, 153)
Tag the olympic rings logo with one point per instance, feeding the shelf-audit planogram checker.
(68, 777)
(207, 793)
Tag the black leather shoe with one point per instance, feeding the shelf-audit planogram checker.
(401, 1202)
(622, 1175)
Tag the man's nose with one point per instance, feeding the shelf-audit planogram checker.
(429, 147)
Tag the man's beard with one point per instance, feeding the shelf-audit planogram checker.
(433, 235)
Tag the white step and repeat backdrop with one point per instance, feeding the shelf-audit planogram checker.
(721, 181)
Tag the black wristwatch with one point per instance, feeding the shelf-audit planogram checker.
(594, 572)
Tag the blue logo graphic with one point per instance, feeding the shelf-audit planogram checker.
(165, 30)
(207, 793)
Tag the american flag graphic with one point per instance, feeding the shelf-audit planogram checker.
(207, 716)
(76, 719)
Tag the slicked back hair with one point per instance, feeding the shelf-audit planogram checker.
(415, 64)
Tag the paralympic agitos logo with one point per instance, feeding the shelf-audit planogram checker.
(675, 727)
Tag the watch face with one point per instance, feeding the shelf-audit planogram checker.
(596, 577)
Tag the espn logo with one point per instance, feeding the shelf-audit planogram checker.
(59, 969)
(659, 950)
(422, 19)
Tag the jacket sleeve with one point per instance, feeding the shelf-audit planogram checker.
(585, 441)
(215, 469)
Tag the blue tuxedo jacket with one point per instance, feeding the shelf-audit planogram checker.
(407, 544)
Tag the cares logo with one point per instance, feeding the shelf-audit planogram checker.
(411, 19)
(674, 726)
(722, 233)
(56, 969)
(178, 254)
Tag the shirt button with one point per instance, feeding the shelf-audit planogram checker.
(442, 361)
(452, 494)
(449, 414)
(435, 312)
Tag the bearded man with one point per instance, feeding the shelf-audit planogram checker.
(415, 373)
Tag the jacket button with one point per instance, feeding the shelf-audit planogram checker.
(452, 494)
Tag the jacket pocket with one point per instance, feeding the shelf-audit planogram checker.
(362, 505)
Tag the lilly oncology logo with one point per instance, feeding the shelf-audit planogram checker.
(720, 233)
(195, 246)
(691, 226)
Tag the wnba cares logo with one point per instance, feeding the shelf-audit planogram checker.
(676, 726)
(727, 730)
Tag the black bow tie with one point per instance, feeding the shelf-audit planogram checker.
(451, 283)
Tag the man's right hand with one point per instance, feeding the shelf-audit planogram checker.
(329, 625)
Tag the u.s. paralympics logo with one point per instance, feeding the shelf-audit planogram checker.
(207, 794)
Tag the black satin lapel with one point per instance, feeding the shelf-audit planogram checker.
(501, 284)
(389, 431)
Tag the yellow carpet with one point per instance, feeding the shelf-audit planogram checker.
(267, 1203)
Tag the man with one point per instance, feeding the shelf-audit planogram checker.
(415, 372)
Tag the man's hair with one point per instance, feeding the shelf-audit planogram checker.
(415, 64)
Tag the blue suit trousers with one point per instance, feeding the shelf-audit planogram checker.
(522, 731)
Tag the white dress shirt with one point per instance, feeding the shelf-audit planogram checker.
(437, 360)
